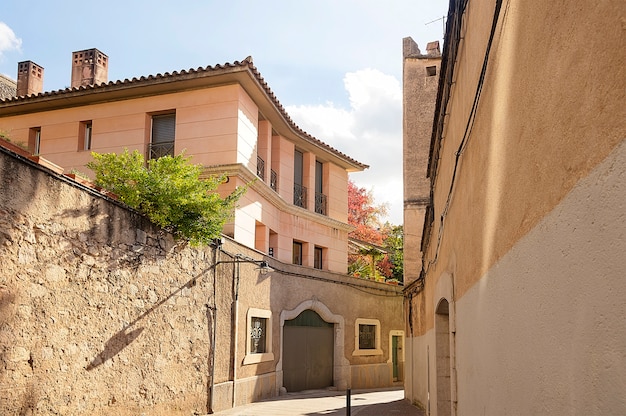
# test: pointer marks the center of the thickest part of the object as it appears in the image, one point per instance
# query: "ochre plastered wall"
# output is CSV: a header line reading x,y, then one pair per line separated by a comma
x,y
537,132
546,141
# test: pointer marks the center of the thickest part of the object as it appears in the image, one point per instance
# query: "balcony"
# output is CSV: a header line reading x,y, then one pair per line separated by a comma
x,y
260,168
299,195
157,150
274,180
321,202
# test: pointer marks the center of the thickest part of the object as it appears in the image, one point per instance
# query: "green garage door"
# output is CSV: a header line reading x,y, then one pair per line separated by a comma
x,y
308,349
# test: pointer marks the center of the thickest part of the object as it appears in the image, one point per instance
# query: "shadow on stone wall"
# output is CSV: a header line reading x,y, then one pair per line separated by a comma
x,y
28,400
126,336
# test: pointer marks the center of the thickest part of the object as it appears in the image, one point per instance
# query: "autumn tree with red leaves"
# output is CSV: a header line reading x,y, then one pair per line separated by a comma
x,y
374,250
364,215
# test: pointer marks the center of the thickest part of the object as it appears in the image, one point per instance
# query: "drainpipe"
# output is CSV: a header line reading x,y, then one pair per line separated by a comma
x,y
236,331
428,379
213,308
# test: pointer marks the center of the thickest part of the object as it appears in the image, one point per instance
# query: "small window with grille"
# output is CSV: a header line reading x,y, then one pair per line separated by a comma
x,y
259,336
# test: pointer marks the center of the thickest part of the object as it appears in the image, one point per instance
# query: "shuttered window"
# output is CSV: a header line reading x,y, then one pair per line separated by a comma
x,y
163,133
163,128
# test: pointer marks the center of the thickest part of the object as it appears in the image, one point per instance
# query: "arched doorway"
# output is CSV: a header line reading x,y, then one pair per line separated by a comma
x,y
308,351
442,344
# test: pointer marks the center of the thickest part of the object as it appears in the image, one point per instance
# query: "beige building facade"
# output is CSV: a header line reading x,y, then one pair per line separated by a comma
x,y
519,299
103,313
225,118
91,293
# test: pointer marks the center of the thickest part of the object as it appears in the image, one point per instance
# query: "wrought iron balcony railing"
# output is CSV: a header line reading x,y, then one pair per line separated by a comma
x,y
260,168
273,180
321,202
299,195
157,150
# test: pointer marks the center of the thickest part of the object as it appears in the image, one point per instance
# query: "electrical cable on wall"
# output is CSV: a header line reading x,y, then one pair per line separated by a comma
x,y
466,135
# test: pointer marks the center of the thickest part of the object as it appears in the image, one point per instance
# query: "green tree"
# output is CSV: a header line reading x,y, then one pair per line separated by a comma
x,y
169,191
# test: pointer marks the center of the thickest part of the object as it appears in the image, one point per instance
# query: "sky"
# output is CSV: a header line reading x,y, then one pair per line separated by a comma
x,y
335,65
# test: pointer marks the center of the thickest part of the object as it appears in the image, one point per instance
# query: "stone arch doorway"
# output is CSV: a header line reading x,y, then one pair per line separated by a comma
x,y
341,366
308,351
443,363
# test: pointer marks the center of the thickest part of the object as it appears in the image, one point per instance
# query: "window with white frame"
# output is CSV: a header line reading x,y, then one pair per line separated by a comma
x,y
367,337
259,336
84,136
34,140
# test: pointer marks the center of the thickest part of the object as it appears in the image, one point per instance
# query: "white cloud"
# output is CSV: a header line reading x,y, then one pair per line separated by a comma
x,y
8,40
370,132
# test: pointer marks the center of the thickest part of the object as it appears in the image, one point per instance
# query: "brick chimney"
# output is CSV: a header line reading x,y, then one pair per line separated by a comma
x,y
29,78
432,49
89,67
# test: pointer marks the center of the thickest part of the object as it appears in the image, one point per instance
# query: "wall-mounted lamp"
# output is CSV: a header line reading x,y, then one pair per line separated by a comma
x,y
218,242
264,267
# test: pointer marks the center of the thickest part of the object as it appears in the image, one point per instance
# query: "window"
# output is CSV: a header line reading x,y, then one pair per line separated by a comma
x,y
162,138
84,135
320,198
34,140
431,71
317,260
299,190
259,336
297,253
258,332
367,337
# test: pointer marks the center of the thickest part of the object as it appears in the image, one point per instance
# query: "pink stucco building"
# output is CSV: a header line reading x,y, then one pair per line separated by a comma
x,y
226,118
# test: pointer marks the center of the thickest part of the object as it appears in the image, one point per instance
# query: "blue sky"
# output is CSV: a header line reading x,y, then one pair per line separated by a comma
x,y
336,66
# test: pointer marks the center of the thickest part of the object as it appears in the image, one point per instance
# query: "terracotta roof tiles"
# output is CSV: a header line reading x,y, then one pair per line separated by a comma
x,y
247,63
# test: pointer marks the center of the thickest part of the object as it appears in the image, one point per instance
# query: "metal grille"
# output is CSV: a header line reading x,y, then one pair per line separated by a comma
x,y
273,180
299,195
260,168
320,203
157,150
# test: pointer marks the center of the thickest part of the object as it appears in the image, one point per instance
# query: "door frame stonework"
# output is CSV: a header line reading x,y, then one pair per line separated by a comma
x,y
341,366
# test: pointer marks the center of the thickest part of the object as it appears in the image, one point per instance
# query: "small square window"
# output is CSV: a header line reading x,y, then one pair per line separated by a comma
x,y
367,337
258,333
431,71
259,336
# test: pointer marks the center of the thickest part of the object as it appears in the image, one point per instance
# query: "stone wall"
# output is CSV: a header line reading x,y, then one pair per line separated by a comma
x,y
103,313
100,312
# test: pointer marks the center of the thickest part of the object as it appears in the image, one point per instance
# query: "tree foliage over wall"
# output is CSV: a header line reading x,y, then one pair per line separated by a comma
x,y
169,191
376,247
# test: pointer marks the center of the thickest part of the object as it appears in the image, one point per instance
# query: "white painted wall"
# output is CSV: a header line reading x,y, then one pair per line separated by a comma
x,y
544,331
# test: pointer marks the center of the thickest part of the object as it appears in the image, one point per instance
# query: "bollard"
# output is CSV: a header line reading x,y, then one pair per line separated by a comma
x,y
348,402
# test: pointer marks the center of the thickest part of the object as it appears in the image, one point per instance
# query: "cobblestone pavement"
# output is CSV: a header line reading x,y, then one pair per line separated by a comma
x,y
388,402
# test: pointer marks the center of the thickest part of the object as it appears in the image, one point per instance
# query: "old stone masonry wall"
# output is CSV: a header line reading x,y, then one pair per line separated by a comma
x,y
100,313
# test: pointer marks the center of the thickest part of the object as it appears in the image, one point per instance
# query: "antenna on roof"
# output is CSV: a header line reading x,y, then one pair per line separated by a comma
x,y
443,23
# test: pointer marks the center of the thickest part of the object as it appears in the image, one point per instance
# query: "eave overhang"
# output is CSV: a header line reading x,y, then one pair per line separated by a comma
x,y
243,73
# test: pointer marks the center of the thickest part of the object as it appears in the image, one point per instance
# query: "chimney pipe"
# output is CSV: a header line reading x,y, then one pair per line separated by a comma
x,y
89,67
29,78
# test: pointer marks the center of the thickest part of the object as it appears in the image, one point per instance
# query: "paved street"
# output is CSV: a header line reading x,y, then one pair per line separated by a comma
x,y
330,403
